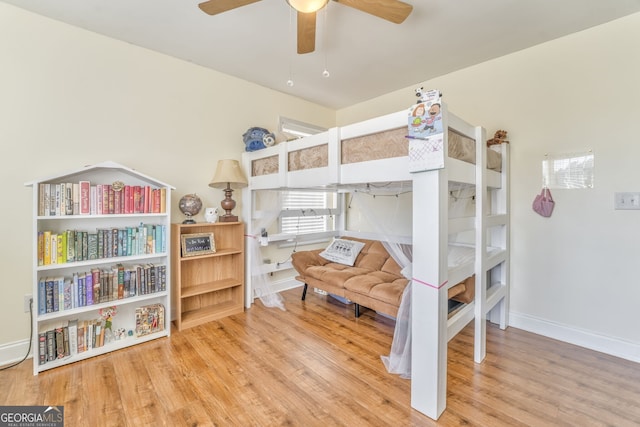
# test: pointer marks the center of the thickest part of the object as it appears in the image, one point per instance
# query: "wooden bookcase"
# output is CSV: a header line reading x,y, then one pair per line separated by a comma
x,y
208,286
88,224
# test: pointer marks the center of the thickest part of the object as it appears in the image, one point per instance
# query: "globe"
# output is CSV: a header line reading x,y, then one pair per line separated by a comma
x,y
190,205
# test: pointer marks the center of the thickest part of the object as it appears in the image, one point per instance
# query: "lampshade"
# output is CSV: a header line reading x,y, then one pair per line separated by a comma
x,y
228,172
307,6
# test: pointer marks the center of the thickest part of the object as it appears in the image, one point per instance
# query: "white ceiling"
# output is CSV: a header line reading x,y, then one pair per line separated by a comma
x,y
366,56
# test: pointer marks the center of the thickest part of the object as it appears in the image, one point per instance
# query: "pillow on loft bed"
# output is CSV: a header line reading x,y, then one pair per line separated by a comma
x,y
464,148
342,251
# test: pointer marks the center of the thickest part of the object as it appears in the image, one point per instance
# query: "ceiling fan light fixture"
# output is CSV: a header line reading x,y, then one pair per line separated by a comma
x,y
307,6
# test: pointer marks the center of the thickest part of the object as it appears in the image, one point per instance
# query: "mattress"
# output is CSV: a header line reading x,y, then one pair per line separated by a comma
x,y
460,254
463,148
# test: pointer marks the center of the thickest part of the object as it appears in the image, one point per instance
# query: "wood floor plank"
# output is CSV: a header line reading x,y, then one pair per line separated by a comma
x,y
167,375
315,364
310,368
101,401
137,393
194,414
345,365
232,389
269,373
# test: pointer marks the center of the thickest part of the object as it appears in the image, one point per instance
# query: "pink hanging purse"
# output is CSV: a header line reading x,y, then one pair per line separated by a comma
x,y
543,203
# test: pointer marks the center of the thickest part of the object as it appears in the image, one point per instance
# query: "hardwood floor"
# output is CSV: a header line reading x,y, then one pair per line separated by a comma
x,y
316,365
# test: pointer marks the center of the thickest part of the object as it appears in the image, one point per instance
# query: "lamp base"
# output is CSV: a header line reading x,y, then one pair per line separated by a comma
x,y
228,218
228,204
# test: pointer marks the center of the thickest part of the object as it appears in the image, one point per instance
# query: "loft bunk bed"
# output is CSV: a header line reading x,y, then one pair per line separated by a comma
x,y
376,151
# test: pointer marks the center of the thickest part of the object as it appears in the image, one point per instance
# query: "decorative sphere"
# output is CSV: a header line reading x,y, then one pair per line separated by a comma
x,y
190,205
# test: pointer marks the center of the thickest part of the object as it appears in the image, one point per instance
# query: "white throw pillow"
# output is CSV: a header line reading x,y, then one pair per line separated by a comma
x,y
342,251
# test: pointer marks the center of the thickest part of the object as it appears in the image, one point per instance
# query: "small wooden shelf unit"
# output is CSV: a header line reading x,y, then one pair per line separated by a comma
x,y
210,286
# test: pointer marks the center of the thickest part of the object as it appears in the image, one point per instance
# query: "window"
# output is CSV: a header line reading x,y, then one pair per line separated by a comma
x,y
297,129
308,212
574,170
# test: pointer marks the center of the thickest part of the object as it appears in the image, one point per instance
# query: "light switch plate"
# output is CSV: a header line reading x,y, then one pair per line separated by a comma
x,y
627,201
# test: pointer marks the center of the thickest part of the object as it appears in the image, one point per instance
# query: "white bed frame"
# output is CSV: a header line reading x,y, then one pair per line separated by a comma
x,y
432,328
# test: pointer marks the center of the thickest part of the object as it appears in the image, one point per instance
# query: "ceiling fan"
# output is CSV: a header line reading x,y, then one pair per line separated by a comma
x,y
394,11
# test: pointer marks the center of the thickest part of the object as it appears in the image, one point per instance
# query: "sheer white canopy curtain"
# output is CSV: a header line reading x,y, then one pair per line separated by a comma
x,y
268,203
461,204
399,359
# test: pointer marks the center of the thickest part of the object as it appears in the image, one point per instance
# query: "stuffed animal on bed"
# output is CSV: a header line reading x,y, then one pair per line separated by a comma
x,y
427,97
269,140
254,138
499,138
420,94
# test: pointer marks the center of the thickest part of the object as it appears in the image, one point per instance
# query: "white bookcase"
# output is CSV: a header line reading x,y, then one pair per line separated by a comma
x,y
142,235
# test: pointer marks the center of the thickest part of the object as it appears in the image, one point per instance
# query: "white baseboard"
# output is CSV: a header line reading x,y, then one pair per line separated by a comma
x,y
604,344
13,352
285,284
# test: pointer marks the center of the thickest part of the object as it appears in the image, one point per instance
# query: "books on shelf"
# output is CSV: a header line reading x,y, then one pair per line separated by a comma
x,y
99,285
73,337
83,198
78,245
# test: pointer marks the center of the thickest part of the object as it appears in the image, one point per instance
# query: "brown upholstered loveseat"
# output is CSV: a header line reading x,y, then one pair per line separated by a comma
x,y
374,281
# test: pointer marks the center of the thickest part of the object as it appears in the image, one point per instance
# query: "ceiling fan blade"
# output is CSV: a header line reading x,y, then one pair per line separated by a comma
x,y
306,32
391,10
213,7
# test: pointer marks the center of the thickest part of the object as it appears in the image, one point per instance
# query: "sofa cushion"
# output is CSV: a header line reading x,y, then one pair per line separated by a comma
x,y
383,260
391,266
342,251
333,273
371,261
373,255
378,285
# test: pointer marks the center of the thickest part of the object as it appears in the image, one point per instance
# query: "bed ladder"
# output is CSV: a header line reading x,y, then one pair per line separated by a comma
x,y
492,228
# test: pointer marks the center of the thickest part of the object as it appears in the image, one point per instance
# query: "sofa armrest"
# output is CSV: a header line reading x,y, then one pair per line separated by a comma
x,y
468,293
305,259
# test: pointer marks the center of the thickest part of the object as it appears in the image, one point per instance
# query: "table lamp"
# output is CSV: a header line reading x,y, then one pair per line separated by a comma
x,y
228,176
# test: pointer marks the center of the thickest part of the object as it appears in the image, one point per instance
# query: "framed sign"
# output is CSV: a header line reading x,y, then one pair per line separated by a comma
x,y
198,244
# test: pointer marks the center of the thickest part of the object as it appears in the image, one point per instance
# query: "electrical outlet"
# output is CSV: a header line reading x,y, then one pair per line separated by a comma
x,y
27,303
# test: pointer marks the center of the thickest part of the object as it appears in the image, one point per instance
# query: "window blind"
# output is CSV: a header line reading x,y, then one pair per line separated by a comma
x,y
305,212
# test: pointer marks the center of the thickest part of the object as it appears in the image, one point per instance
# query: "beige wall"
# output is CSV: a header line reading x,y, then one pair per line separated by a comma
x,y
69,98
573,275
